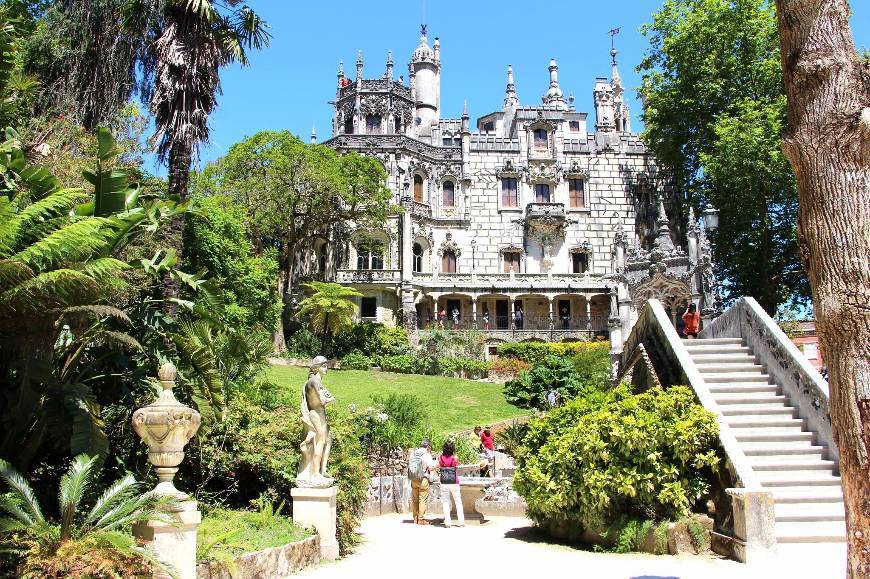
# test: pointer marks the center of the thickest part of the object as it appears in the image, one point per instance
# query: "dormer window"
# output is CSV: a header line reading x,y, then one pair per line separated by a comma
x,y
540,139
448,191
373,124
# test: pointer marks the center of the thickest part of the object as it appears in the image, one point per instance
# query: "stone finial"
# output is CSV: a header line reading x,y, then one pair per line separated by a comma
x,y
340,73
554,94
465,109
436,46
571,101
510,93
359,66
313,135
390,65
166,426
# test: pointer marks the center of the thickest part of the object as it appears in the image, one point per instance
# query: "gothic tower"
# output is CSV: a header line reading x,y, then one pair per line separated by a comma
x,y
425,73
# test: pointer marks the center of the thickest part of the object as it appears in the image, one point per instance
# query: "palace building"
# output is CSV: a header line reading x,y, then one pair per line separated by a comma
x,y
534,222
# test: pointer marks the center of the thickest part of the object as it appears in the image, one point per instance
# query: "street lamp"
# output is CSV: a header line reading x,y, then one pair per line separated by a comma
x,y
405,186
473,244
711,217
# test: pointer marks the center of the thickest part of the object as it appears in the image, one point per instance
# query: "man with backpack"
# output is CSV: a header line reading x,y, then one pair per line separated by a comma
x,y
420,464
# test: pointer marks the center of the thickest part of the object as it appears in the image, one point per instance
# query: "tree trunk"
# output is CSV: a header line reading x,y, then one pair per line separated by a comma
x,y
828,144
278,341
179,170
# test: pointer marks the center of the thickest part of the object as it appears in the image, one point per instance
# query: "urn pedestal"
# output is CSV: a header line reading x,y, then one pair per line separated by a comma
x,y
315,507
166,425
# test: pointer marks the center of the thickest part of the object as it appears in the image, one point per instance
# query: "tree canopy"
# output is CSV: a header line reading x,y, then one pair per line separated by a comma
x,y
714,116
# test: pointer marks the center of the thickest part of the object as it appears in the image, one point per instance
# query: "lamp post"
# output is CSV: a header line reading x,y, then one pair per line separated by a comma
x,y
711,217
406,184
711,224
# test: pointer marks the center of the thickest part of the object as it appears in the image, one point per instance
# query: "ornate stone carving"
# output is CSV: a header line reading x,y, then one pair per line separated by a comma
x,y
371,104
318,439
673,293
166,425
449,245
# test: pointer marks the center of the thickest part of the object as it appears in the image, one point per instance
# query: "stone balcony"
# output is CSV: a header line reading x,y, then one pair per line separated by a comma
x,y
557,282
384,276
545,211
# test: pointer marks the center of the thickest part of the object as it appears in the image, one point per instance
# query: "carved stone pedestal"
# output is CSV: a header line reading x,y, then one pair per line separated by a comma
x,y
173,545
315,507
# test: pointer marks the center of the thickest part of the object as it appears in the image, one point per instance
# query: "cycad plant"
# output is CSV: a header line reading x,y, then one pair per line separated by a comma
x,y
329,309
84,542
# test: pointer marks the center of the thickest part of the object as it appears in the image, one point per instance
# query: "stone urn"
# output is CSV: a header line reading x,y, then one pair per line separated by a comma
x,y
166,425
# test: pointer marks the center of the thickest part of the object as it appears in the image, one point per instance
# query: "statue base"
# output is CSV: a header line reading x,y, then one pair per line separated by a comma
x,y
322,482
173,544
315,507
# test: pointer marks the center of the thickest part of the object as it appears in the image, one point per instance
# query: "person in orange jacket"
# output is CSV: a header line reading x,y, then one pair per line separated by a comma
x,y
692,320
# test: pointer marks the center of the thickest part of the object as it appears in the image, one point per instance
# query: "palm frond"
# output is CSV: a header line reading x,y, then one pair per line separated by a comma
x,y
22,490
54,289
55,205
13,272
92,311
118,492
73,486
78,241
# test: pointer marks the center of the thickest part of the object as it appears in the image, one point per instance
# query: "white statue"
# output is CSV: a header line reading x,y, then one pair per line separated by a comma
x,y
318,439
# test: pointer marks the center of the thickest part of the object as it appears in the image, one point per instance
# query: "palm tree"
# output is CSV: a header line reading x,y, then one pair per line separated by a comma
x,y
94,542
198,37
329,308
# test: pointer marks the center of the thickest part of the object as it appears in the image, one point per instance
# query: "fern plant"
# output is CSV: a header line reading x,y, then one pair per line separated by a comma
x,y
330,308
84,542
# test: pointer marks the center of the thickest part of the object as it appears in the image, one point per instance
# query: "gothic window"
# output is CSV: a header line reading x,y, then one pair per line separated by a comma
x,y
418,189
448,190
397,124
540,138
368,308
509,196
511,261
348,126
579,262
370,254
417,266
373,124
542,193
448,262
574,126
576,195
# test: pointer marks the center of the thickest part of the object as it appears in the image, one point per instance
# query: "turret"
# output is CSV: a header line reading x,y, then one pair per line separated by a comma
x,y
621,117
554,96
604,113
466,132
313,135
425,70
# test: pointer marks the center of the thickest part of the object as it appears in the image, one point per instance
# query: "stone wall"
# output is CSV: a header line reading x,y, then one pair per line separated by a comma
x,y
268,563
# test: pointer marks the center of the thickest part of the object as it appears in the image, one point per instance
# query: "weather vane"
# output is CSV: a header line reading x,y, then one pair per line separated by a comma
x,y
613,32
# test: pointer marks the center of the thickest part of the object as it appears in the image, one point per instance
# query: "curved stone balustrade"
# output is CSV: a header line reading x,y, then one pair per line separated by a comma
x,y
368,276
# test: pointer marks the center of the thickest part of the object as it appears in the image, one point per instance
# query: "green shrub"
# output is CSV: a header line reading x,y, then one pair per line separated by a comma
x,y
356,361
405,364
255,451
405,410
511,437
611,455
440,344
533,351
451,366
507,367
371,340
303,343
530,388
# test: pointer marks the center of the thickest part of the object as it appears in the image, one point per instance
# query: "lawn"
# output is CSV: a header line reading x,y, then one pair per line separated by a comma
x,y
452,404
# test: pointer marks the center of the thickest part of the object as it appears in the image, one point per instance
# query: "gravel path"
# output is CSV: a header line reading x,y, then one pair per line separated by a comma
x,y
509,547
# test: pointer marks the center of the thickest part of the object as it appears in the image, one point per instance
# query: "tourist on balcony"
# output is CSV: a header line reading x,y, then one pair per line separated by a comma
x,y
518,317
563,315
455,315
692,320
442,315
485,318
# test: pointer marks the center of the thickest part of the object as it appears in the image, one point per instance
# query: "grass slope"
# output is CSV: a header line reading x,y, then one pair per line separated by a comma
x,y
452,404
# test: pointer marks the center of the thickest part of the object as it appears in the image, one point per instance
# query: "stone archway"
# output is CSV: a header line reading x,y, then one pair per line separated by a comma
x,y
673,293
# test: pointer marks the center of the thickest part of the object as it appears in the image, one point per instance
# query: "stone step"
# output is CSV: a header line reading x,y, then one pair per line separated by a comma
x,y
775,434
750,398
739,358
717,350
764,421
797,478
758,410
797,448
738,387
811,532
720,368
798,512
711,341
721,378
807,494
790,463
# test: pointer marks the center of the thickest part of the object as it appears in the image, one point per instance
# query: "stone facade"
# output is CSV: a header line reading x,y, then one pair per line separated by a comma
x,y
528,210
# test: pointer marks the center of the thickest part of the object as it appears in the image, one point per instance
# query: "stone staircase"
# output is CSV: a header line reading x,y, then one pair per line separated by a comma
x,y
785,456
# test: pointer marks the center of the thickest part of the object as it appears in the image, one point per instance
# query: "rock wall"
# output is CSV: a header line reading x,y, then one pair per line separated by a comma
x,y
268,563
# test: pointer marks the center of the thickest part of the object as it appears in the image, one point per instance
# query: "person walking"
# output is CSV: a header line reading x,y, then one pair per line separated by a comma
x,y
442,315
485,317
488,448
449,478
692,320
420,466
551,398
455,315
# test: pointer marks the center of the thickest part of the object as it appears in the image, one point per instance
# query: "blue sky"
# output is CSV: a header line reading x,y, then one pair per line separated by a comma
x,y
288,85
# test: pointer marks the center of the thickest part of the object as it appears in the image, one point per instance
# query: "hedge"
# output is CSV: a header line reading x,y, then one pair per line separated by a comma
x,y
532,352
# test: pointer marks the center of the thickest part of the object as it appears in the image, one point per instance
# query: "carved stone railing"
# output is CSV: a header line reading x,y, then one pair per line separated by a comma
x,y
367,143
508,335
800,381
368,276
421,209
545,210
518,282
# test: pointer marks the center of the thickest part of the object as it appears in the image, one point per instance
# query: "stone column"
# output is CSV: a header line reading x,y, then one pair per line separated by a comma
x,y
511,317
589,313
550,302
166,426
474,312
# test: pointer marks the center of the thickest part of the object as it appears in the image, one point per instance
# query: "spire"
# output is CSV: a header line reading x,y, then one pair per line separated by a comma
x,y
571,102
340,73
390,65
663,238
554,94
510,93
359,66
464,124
622,118
313,134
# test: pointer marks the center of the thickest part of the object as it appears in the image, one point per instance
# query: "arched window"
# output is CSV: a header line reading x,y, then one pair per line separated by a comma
x,y
448,190
370,254
418,258
418,189
448,262
540,138
348,126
